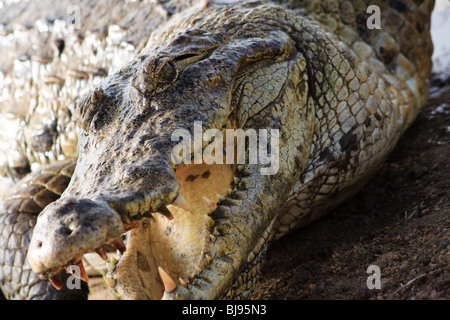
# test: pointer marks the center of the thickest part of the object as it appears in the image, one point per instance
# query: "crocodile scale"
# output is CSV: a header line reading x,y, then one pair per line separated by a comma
x,y
91,94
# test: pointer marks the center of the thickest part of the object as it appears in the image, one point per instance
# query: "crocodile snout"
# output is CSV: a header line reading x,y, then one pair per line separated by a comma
x,y
69,228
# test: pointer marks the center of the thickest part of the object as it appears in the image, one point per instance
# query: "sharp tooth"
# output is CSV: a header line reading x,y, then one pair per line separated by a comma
x,y
236,180
137,216
69,269
240,168
208,203
182,282
110,281
56,282
166,212
109,266
181,202
213,238
83,274
102,253
119,245
113,260
126,220
208,258
209,221
220,197
147,214
169,284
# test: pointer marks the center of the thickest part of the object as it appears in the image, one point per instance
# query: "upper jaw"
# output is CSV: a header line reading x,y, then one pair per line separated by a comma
x,y
75,225
66,230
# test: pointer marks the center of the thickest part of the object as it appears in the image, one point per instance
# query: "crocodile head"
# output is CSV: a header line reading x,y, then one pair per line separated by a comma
x,y
196,229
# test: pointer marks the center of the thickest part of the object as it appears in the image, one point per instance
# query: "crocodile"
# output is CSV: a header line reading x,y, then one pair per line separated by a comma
x,y
338,94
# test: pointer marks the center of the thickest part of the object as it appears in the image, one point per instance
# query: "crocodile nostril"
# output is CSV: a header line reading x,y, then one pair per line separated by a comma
x,y
39,244
66,231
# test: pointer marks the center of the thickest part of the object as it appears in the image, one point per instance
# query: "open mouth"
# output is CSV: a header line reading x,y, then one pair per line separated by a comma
x,y
167,249
161,252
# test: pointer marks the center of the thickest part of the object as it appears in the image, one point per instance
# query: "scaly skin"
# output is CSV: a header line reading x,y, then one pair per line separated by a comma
x,y
45,68
340,95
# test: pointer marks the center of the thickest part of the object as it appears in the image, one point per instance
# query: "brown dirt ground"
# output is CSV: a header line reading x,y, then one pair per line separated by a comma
x,y
399,221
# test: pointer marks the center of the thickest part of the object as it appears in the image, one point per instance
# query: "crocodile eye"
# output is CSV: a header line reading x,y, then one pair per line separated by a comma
x,y
167,73
153,76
